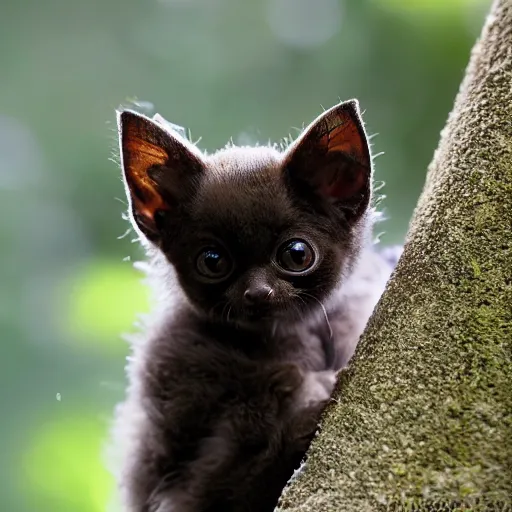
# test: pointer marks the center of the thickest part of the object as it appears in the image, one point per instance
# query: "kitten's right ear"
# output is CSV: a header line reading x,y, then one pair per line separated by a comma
x,y
332,159
157,168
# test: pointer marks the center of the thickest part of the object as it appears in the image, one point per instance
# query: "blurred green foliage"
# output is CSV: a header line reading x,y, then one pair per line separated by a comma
x,y
250,70
63,466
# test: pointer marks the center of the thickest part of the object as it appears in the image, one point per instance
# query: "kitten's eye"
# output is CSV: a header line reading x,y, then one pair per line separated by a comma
x,y
296,256
213,263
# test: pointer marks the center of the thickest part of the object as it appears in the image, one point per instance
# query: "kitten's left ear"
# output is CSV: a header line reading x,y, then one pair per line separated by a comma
x,y
332,159
159,167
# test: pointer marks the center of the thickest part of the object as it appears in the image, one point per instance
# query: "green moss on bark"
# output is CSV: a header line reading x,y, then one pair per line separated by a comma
x,y
424,414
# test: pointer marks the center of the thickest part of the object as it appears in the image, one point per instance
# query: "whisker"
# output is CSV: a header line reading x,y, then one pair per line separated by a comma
x,y
297,309
324,312
224,308
211,311
303,302
225,311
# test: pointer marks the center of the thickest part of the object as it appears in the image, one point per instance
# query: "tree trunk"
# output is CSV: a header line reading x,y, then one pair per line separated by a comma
x,y
423,417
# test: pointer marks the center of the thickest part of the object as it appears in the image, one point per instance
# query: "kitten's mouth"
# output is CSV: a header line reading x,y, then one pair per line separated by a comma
x,y
257,314
261,315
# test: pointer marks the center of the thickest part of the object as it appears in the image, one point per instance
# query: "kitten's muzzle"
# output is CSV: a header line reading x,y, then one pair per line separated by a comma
x,y
257,302
257,295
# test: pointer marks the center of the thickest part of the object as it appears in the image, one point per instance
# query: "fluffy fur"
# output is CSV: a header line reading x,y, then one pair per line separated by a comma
x,y
265,279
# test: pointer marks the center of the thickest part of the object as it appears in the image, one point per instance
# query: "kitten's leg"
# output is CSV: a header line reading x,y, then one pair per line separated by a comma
x,y
299,423
162,446
310,401
316,389
220,466
196,493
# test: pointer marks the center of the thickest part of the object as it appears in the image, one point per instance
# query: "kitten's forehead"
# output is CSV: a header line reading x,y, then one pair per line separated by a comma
x,y
243,160
243,187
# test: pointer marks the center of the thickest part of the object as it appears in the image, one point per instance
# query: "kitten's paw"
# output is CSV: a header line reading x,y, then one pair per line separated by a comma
x,y
285,380
316,388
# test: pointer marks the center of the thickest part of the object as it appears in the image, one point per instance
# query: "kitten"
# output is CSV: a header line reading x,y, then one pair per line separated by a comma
x,y
266,281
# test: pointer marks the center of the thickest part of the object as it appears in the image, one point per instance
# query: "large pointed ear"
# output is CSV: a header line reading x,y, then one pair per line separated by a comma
x,y
332,159
158,165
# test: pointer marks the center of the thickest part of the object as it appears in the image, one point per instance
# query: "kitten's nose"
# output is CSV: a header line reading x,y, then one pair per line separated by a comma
x,y
257,294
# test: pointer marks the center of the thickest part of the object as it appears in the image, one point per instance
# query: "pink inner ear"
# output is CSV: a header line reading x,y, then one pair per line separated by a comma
x,y
344,182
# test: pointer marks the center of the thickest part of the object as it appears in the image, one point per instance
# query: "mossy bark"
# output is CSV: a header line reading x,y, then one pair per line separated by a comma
x,y
423,417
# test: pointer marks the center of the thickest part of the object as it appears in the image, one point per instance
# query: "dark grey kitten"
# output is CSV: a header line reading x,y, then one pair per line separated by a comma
x,y
265,281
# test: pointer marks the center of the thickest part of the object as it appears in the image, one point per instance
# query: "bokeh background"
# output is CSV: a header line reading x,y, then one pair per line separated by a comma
x,y
250,70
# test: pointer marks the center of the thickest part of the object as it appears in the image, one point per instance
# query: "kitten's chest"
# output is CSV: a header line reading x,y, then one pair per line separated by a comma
x,y
307,344
249,362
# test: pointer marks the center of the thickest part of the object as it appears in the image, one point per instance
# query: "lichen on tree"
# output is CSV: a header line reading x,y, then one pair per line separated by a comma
x,y
423,417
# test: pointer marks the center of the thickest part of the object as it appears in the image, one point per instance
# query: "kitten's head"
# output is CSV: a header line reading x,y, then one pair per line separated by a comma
x,y
254,234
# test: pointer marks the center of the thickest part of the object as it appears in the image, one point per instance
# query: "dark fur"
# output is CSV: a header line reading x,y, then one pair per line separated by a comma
x,y
225,396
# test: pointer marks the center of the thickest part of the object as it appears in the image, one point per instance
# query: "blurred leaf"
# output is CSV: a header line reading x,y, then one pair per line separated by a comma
x,y
434,7
64,468
102,301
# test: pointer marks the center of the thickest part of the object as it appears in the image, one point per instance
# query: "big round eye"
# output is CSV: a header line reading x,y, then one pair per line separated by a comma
x,y
296,256
213,263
